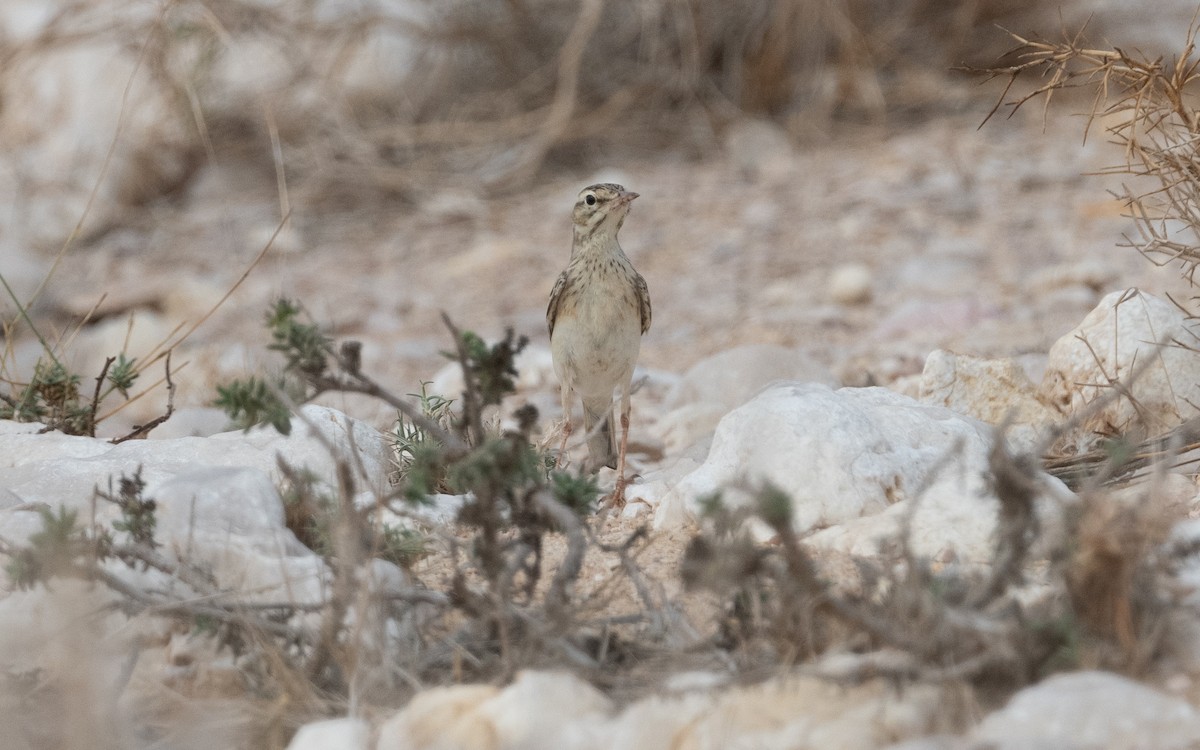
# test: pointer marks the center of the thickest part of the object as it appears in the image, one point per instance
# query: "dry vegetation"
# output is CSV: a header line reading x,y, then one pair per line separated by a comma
x,y
1146,108
403,97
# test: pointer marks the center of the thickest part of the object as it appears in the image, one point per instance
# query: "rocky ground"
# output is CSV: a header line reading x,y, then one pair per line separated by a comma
x,y
843,260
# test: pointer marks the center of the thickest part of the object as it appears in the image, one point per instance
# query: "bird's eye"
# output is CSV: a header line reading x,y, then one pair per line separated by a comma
x,y
590,199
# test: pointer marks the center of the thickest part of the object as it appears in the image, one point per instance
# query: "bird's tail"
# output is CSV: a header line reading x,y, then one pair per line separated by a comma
x,y
602,447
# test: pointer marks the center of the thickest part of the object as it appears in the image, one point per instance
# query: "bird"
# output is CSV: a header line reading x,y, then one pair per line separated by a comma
x,y
599,310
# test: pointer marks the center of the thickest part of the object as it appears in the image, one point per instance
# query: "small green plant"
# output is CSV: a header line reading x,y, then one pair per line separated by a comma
x,y
63,547
51,552
400,545
492,367
303,345
53,395
306,351
415,451
253,401
312,511
578,492
138,514
123,374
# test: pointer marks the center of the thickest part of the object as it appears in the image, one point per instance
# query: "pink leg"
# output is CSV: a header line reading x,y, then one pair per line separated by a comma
x,y
618,496
561,461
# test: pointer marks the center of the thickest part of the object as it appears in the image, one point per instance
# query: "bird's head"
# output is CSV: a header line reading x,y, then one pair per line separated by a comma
x,y
602,208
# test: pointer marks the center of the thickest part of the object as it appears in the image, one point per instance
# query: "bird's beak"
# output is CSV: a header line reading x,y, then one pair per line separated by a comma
x,y
627,197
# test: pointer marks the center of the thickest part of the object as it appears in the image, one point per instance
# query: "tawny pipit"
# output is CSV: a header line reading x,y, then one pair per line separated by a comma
x,y
599,309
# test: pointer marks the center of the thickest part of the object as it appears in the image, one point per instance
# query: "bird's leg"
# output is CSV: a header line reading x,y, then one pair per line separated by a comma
x,y
618,496
561,460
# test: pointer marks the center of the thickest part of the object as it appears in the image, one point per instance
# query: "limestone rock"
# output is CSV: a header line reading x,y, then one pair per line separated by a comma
x,y
333,734
1129,333
733,376
854,461
217,501
539,710
850,284
812,714
716,384
1087,710
996,391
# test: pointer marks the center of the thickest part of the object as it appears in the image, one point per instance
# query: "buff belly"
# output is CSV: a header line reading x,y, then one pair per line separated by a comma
x,y
596,347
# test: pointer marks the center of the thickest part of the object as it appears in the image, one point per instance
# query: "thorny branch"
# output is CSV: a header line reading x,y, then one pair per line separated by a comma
x,y
1144,107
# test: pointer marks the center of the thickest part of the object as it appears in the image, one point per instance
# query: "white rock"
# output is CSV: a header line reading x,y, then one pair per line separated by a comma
x,y
850,284
246,68
441,719
1182,646
786,714
135,334
333,734
684,427
454,205
995,391
853,460
220,501
217,500
716,384
658,722
535,368
648,492
437,509
731,377
35,625
9,499
907,385
229,521
547,711
192,421
39,468
448,382
1086,710
1121,336
539,710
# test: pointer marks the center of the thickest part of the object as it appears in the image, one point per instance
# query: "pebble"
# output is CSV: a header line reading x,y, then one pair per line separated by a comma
x,y
850,284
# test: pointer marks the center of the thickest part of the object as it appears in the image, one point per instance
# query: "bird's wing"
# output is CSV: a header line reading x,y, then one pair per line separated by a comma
x,y
556,298
643,297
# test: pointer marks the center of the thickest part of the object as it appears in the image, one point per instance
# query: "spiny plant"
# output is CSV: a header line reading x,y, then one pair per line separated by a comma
x,y
313,512
512,497
1144,107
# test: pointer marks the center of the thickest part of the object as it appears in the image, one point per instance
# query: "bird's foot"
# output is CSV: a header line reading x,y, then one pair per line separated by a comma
x,y
616,501
563,459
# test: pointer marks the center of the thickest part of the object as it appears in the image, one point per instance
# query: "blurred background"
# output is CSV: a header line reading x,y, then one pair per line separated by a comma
x,y
813,173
